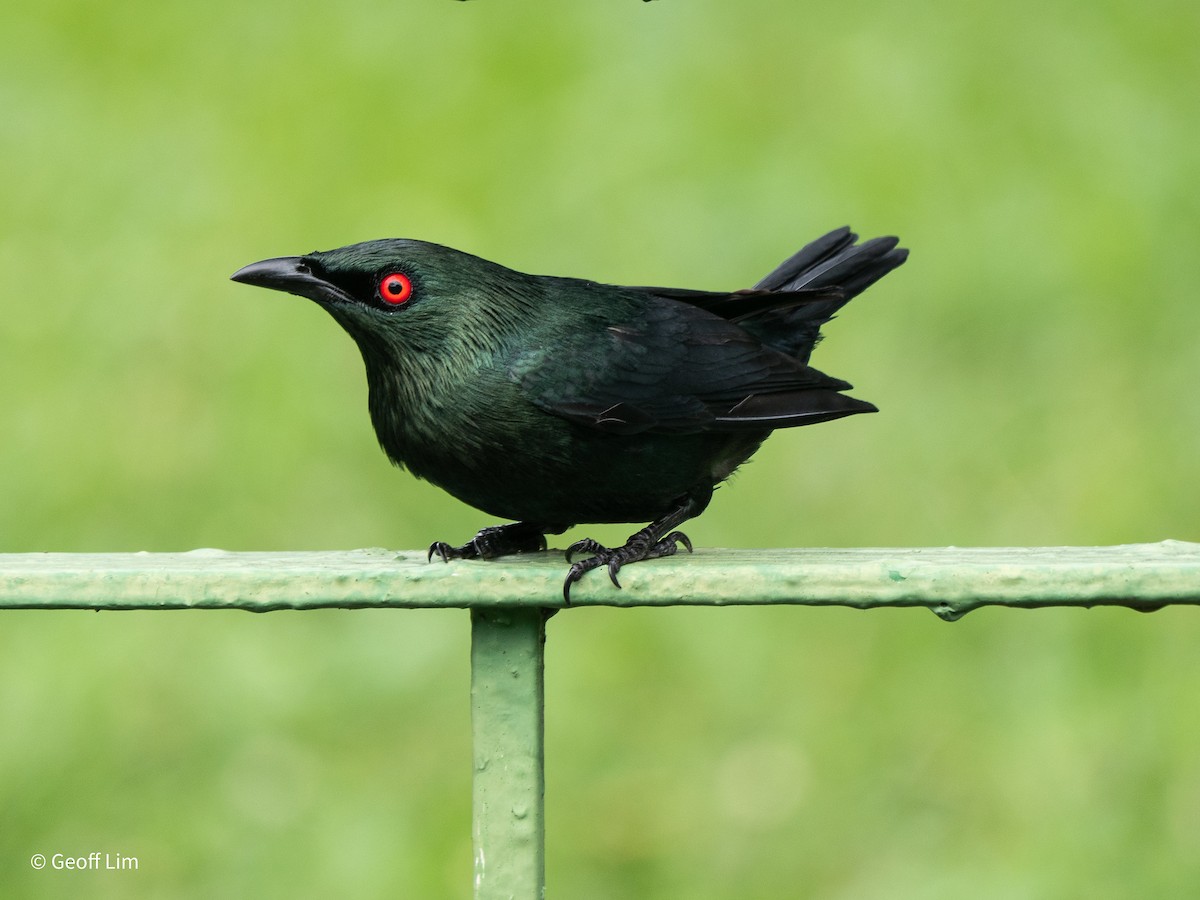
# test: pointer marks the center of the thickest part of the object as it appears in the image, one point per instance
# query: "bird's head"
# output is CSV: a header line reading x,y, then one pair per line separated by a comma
x,y
398,290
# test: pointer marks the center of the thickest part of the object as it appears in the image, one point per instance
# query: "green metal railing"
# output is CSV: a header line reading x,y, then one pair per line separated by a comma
x,y
509,598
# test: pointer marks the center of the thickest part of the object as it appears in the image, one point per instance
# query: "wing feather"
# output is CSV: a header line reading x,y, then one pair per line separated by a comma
x,y
675,368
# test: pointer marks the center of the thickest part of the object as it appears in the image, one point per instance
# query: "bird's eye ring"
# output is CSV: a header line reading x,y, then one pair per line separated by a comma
x,y
395,288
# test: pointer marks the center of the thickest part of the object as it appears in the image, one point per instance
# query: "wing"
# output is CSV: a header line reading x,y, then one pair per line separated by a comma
x,y
787,308
673,367
741,305
789,321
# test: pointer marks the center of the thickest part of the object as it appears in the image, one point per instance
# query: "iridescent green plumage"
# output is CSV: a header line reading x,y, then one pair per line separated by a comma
x,y
557,401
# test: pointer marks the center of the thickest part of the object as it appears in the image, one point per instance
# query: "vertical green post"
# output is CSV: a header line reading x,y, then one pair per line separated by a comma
x,y
507,653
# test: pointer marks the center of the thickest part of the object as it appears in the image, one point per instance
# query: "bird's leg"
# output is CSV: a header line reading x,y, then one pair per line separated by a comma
x,y
655,540
499,540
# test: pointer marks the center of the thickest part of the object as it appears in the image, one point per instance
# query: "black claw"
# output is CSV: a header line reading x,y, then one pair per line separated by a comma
x,y
678,537
524,537
614,566
587,545
637,549
573,575
498,540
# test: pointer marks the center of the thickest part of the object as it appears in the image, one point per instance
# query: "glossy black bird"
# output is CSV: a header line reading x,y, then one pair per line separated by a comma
x,y
558,401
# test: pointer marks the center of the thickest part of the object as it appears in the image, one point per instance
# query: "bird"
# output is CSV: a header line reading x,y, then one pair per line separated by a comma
x,y
553,402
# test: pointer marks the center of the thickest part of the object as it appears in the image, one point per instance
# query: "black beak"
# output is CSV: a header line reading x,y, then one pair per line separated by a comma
x,y
292,275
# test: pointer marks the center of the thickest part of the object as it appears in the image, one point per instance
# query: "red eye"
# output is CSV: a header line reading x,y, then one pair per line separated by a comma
x,y
395,288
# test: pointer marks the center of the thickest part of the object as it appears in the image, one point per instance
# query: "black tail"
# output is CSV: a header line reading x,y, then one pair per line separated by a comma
x,y
833,264
837,261
787,308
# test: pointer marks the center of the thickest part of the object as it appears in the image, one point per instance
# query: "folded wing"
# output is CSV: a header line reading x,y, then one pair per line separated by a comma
x,y
676,368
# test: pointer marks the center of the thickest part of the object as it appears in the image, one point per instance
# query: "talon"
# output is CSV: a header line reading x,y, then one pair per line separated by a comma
x,y
587,545
668,545
614,566
578,570
640,546
498,540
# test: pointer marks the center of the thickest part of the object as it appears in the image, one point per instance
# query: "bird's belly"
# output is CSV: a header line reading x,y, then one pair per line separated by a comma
x,y
566,474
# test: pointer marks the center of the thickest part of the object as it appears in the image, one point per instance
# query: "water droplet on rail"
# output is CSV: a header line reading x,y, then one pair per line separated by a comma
x,y
948,613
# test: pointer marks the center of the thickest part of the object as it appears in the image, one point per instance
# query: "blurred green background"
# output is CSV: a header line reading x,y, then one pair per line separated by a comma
x,y
1035,362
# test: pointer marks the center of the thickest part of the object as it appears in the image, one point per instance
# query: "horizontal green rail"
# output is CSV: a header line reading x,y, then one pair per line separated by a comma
x,y
507,599
950,581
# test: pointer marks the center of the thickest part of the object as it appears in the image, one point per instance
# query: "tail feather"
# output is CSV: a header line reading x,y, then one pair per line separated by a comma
x,y
837,261
787,308
804,259
835,264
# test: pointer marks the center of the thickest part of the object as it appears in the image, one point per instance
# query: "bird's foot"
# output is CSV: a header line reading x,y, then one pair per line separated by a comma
x,y
639,546
497,540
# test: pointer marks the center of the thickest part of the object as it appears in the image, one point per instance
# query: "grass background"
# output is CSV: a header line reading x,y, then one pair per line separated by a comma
x,y
1035,362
